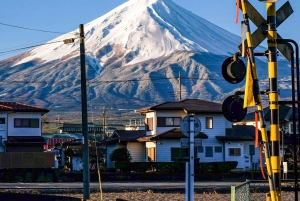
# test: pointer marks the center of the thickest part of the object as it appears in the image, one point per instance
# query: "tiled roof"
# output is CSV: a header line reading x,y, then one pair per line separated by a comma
x,y
176,133
51,142
235,138
126,135
285,114
20,107
188,105
239,133
25,140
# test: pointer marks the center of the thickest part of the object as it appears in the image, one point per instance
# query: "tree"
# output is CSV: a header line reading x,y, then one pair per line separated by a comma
x,y
291,154
121,155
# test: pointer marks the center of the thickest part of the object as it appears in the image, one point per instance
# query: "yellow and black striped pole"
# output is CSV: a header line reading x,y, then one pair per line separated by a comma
x,y
252,97
273,99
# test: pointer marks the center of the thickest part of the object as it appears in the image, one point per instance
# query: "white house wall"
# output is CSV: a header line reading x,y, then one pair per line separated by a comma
x,y
254,158
240,159
150,144
219,124
217,130
137,151
3,131
23,131
163,149
228,124
217,157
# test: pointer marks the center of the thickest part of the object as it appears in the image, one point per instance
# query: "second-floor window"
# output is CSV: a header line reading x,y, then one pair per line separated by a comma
x,y
168,121
209,122
2,120
26,123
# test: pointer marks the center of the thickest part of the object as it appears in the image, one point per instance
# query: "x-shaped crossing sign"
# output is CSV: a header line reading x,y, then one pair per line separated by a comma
x,y
261,32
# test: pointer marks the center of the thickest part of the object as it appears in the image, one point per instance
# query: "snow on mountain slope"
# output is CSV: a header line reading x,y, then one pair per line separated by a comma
x,y
134,54
140,30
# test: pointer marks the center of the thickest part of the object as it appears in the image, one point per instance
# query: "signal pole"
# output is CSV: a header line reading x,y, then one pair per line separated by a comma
x,y
257,100
273,99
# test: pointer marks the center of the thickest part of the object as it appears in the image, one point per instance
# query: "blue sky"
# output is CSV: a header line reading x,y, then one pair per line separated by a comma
x,y
66,15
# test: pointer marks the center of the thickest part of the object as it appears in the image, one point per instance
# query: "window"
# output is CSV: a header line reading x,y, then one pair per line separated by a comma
x,y
218,149
200,149
26,123
234,151
209,152
173,121
168,121
179,152
2,120
209,122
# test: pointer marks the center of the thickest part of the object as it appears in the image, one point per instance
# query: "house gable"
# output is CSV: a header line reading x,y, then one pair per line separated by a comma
x,y
22,121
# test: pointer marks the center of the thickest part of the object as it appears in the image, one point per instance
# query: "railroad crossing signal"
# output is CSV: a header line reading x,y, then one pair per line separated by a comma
x,y
233,110
260,33
233,70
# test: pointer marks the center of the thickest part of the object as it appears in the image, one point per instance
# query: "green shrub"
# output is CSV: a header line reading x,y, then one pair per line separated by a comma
x,y
49,177
226,166
41,178
121,155
28,177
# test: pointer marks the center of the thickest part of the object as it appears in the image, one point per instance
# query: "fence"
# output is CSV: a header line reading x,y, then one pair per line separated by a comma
x,y
253,190
26,160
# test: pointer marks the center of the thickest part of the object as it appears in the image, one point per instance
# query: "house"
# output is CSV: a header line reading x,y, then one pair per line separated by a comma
x,y
161,141
287,135
20,137
21,127
129,139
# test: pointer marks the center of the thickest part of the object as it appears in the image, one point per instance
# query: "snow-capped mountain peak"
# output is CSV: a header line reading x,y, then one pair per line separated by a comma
x,y
139,30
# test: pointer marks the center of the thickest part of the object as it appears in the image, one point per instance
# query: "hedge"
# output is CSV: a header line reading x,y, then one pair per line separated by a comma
x,y
175,167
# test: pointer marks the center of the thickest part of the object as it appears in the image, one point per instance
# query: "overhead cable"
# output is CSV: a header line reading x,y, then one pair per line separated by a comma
x,y
40,30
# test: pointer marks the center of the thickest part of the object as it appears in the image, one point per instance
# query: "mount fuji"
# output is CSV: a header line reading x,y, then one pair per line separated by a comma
x,y
134,55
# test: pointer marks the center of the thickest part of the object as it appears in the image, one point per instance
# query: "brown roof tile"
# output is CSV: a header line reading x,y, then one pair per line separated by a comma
x,y
176,133
188,105
126,135
20,107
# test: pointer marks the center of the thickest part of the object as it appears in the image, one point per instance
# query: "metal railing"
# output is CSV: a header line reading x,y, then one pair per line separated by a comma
x,y
257,189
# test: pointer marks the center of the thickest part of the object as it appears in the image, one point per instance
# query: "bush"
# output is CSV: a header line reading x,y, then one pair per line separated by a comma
x,y
223,167
121,155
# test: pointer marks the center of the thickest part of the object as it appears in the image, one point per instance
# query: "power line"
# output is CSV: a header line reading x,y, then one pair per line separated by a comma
x,y
23,48
122,81
40,30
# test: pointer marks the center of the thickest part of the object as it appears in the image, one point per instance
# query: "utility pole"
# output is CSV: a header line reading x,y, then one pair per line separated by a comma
x,y
58,124
86,161
104,121
179,79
